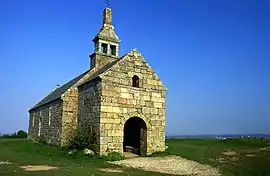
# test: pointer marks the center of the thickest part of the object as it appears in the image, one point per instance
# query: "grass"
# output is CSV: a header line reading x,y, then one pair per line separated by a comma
x,y
24,152
246,158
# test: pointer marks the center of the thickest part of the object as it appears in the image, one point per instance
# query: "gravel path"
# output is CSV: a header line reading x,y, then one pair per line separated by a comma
x,y
170,165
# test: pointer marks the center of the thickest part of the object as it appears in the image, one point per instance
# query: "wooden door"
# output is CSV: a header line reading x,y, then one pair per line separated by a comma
x,y
143,141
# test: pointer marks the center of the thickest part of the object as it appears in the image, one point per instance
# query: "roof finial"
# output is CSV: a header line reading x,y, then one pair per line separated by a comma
x,y
108,3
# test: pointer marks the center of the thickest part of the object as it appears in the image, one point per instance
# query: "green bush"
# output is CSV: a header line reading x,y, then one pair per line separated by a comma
x,y
113,156
83,138
79,154
158,154
41,139
21,134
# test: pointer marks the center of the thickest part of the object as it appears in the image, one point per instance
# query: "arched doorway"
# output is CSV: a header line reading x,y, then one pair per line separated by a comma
x,y
135,136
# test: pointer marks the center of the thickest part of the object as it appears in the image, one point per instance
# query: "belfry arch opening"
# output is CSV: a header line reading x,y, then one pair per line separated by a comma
x,y
135,136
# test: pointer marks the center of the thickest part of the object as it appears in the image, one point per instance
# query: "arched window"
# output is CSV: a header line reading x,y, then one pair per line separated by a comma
x,y
135,81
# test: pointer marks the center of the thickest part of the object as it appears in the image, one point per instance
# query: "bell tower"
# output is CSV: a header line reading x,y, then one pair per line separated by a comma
x,y
106,43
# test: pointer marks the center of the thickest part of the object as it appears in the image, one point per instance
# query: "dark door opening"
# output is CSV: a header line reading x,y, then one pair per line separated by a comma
x,y
135,136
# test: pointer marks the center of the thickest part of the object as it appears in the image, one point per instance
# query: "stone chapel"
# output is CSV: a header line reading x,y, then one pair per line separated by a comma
x,y
120,97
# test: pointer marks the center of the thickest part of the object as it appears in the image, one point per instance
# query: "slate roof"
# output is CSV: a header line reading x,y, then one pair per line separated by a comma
x,y
102,70
107,33
59,91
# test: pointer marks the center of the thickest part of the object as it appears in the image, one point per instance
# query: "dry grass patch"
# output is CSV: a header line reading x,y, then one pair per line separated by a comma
x,y
265,149
221,160
130,155
250,155
38,168
229,153
5,162
114,170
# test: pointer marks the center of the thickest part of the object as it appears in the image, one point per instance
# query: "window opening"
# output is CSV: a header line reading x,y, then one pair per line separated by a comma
x,y
113,50
104,48
135,81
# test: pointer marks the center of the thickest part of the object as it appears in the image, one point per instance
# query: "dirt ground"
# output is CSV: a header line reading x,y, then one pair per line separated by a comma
x,y
115,170
38,168
170,165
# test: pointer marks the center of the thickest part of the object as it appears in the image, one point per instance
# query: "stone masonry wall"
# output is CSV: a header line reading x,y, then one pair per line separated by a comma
x,y
69,115
70,111
48,119
121,101
98,60
89,106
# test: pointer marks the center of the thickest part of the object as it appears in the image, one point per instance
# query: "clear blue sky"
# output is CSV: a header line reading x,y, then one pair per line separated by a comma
x,y
213,55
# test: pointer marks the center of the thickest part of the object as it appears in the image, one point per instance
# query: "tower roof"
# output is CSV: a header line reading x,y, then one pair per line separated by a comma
x,y
107,30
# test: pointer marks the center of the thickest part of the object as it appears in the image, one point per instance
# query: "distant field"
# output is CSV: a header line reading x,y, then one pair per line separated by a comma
x,y
247,157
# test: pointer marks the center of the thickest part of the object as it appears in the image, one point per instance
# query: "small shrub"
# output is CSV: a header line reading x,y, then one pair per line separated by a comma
x,y
113,156
78,154
41,139
21,134
157,154
82,139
